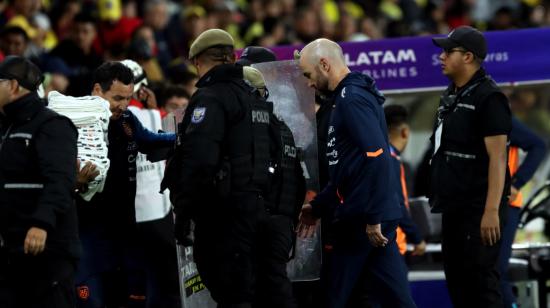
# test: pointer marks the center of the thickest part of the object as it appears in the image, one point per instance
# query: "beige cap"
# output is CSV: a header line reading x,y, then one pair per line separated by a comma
x,y
254,76
208,39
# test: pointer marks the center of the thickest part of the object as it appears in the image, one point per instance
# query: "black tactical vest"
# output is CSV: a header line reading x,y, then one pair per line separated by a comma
x,y
459,168
246,149
287,182
21,183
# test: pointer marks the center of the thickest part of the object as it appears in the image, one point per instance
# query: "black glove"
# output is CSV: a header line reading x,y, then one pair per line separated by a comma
x,y
185,231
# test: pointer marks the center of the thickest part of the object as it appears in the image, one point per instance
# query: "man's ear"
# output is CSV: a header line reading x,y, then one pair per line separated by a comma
x,y
96,89
325,66
14,86
405,132
470,58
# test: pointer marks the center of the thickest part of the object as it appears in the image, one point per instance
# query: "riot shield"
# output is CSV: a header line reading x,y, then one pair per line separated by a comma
x,y
193,292
294,102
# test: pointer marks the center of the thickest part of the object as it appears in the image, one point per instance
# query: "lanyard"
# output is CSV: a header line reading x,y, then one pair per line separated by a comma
x,y
5,136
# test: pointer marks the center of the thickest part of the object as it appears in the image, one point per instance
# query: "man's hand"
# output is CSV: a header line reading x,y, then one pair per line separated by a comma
x,y
35,241
490,227
147,97
513,193
86,175
419,249
376,238
308,223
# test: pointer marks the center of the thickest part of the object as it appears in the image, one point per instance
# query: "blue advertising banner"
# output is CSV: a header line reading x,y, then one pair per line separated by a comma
x,y
411,64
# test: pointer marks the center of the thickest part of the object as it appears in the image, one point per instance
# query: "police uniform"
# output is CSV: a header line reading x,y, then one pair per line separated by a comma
x,y
219,176
361,191
37,180
459,182
283,203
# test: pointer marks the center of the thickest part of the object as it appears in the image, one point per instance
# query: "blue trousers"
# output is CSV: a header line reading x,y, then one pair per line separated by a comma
x,y
507,239
361,275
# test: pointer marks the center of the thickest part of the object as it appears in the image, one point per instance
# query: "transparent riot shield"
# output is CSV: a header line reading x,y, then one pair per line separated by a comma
x,y
294,102
194,293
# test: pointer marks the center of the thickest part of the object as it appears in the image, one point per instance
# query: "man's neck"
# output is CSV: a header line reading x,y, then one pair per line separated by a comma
x,y
398,145
461,80
339,75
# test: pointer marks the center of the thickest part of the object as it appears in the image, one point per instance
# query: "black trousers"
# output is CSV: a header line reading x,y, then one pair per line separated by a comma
x,y
241,253
42,281
470,267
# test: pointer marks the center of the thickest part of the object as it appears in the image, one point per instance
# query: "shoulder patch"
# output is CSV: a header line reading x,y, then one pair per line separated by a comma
x,y
198,115
343,93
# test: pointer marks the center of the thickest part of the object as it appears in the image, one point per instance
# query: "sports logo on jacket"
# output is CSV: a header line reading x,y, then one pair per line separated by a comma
x,y
198,115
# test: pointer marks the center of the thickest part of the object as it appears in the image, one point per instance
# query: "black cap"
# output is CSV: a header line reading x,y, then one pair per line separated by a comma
x,y
467,37
256,54
24,71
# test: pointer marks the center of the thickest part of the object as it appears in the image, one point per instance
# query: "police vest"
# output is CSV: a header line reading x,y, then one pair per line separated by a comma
x,y
287,182
459,168
246,147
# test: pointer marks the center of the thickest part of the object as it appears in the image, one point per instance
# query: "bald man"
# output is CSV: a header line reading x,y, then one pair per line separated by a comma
x,y
367,210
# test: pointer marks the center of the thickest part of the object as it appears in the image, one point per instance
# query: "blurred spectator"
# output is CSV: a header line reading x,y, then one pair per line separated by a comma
x,y
13,41
79,54
63,16
306,25
56,75
173,98
504,19
156,17
115,30
183,74
143,49
526,106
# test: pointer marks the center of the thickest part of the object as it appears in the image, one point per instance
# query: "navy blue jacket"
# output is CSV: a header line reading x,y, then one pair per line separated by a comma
x,y
406,223
361,177
523,138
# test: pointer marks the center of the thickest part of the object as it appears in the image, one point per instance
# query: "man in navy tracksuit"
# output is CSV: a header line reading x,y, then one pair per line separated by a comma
x,y
365,256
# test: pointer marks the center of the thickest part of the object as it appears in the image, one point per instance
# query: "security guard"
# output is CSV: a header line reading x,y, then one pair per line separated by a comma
x,y
38,224
219,173
470,182
361,191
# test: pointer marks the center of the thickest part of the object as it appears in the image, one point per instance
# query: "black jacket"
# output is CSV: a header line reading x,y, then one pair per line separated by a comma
x,y
37,176
218,124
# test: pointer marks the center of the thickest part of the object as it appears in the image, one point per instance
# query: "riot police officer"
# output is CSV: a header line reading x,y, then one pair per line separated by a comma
x,y
219,173
38,221
470,181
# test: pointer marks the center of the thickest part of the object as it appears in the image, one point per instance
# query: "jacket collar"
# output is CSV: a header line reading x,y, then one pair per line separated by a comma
x,y
24,108
221,73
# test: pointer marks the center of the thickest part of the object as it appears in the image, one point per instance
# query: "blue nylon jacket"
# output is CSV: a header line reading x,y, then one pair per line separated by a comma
x,y
360,168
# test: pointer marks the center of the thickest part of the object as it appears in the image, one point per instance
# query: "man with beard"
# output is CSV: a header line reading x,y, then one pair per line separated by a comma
x,y
366,207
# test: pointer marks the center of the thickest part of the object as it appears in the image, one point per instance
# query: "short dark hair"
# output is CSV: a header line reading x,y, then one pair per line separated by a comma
x,y
396,115
14,30
108,72
177,91
171,90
